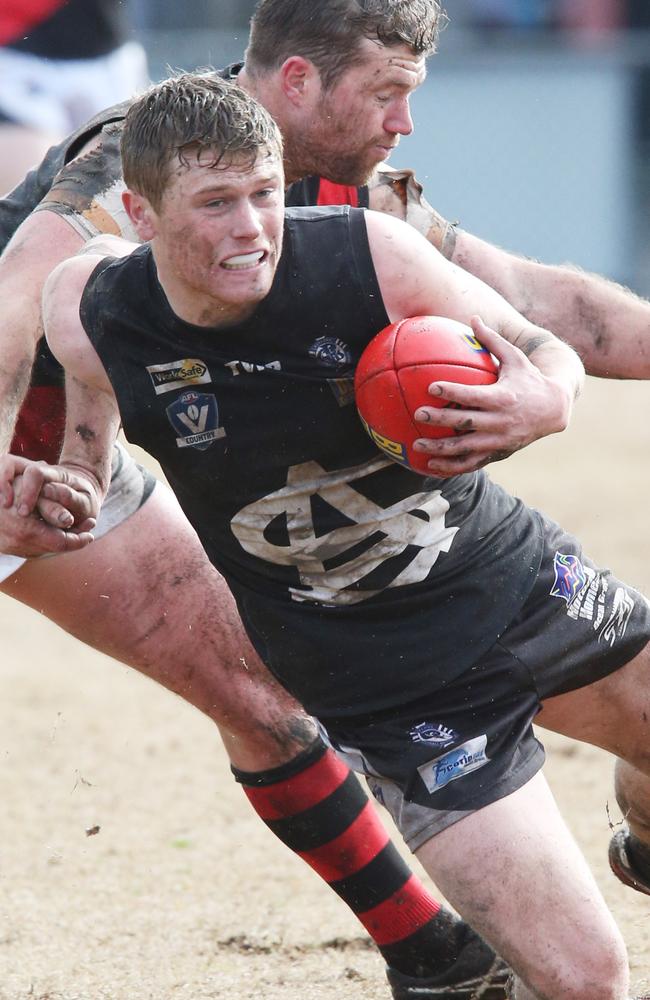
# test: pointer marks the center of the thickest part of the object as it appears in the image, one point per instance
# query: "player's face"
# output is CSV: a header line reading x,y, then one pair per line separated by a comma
x,y
357,123
218,236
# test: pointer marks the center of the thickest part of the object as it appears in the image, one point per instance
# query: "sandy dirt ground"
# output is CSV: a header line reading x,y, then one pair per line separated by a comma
x,y
182,893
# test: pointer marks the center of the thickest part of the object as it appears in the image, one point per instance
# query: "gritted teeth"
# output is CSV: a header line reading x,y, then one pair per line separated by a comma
x,y
243,260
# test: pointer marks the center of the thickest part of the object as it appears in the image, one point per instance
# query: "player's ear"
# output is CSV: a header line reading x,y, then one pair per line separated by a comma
x,y
140,213
299,80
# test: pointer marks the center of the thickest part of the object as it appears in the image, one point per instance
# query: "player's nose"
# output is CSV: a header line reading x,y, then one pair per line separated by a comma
x,y
398,120
247,222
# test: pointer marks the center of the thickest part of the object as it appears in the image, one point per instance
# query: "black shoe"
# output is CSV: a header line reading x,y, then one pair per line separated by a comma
x,y
477,974
621,864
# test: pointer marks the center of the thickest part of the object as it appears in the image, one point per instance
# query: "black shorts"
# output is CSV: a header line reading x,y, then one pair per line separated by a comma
x,y
470,742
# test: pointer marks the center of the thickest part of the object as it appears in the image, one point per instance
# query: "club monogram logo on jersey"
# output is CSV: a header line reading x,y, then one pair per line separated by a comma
x,y
356,559
178,374
331,351
195,416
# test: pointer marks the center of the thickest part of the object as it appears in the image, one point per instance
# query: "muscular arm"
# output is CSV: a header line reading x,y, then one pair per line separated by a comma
x,y
67,496
539,376
608,325
92,415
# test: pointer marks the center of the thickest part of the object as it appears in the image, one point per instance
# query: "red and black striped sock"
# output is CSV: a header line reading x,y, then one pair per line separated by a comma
x,y
316,806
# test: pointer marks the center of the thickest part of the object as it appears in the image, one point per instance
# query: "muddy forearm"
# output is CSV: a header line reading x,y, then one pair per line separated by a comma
x,y
606,324
15,370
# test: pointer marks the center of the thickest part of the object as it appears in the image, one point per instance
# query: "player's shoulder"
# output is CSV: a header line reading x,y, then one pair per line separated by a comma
x,y
320,229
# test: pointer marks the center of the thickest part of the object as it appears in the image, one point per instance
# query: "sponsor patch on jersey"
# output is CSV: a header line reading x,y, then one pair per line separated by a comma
x,y
394,449
178,374
454,764
433,733
570,576
331,351
195,417
252,367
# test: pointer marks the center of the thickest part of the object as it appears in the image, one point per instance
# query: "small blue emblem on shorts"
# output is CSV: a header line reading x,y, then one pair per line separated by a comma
x,y
570,576
195,416
433,733
456,763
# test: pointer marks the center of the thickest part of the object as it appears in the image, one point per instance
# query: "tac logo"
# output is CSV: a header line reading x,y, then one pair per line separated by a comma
x,y
394,449
454,764
433,733
195,417
570,576
331,351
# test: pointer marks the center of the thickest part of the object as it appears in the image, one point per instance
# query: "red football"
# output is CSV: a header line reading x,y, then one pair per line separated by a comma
x,y
396,370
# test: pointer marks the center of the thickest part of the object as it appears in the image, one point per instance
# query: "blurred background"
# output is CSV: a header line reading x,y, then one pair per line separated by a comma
x,y
532,129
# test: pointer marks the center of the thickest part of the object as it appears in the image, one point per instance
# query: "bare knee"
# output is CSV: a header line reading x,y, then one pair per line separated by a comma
x,y
599,971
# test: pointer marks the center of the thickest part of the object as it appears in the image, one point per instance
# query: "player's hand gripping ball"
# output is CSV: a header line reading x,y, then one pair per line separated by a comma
x,y
395,371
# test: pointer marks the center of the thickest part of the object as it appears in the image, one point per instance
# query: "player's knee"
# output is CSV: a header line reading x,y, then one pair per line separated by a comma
x,y
599,971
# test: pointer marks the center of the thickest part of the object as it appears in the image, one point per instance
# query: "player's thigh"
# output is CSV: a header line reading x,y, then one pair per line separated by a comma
x,y
146,594
612,713
513,871
582,636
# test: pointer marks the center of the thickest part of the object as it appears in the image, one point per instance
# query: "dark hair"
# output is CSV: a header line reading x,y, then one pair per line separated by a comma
x,y
191,111
329,32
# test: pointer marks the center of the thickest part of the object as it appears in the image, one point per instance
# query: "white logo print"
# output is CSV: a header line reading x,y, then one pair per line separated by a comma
x,y
371,536
616,624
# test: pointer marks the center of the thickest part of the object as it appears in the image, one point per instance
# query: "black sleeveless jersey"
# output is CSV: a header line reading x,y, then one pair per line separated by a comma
x,y
360,582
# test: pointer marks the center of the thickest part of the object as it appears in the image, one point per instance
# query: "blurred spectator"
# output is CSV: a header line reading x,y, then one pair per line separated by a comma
x,y
61,61
511,13
592,17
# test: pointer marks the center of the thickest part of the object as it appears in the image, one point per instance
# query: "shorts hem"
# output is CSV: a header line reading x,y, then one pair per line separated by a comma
x,y
511,783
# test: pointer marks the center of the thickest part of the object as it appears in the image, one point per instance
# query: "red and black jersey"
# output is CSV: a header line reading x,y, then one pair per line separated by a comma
x,y
319,191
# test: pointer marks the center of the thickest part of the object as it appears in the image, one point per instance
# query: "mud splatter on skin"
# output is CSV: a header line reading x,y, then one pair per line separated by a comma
x,y
592,321
90,174
85,433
